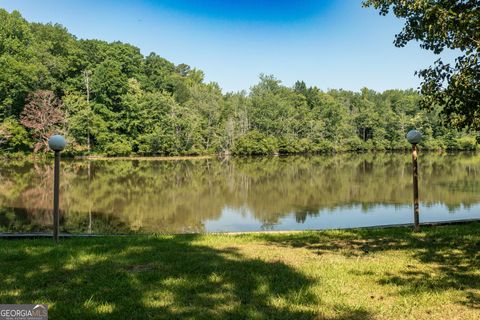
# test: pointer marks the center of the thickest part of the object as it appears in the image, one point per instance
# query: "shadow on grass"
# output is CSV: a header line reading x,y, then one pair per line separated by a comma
x,y
154,278
452,252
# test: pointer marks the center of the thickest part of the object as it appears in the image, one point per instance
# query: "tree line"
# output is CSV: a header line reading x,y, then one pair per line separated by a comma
x,y
108,98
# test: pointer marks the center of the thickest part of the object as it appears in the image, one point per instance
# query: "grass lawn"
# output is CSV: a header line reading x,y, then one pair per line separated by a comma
x,y
354,274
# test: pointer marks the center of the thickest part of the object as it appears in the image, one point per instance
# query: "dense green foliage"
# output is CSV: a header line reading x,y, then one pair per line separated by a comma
x,y
441,25
113,100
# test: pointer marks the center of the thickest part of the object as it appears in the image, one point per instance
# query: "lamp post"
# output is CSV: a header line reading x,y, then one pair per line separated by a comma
x,y
57,143
414,137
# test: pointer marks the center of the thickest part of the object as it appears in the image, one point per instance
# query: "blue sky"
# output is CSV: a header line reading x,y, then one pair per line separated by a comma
x,y
329,44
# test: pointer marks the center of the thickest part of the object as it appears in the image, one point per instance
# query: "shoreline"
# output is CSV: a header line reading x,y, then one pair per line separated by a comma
x,y
44,235
143,158
46,156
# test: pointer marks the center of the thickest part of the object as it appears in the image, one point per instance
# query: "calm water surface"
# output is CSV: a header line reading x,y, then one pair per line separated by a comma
x,y
239,194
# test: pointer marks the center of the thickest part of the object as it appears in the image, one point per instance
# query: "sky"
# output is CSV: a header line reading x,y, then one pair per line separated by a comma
x,y
330,44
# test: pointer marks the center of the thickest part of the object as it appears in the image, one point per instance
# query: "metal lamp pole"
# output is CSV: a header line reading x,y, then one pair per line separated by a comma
x,y
57,143
414,137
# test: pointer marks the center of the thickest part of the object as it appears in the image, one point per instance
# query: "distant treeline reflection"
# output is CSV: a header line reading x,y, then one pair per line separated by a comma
x,y
179,196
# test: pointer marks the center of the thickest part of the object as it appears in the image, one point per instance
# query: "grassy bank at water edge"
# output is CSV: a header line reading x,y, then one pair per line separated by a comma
x,y
356,274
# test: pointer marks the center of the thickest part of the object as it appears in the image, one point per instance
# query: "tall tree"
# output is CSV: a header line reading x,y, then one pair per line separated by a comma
x,y
43,116
86,78
440,25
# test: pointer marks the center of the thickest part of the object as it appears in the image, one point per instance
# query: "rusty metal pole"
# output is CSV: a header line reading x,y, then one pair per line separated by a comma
x,y
56,196
416,213
56,143
414,137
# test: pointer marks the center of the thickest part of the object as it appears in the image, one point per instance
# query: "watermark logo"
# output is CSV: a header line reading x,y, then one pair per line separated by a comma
x,y
23,312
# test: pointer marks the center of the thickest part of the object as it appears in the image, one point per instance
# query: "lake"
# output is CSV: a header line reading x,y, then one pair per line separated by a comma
x,y
238,194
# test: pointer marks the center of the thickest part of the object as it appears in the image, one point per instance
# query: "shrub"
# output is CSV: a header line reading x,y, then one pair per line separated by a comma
x,y
255,143
323,146
157,142
433,144
354,143
13,136
400,145
291,144
466,143
118,146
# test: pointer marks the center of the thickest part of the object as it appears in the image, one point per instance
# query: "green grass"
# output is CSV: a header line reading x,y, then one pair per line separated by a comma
x,y
355,274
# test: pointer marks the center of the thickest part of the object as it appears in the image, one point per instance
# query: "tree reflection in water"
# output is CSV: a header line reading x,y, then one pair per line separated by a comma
x,y
179,196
